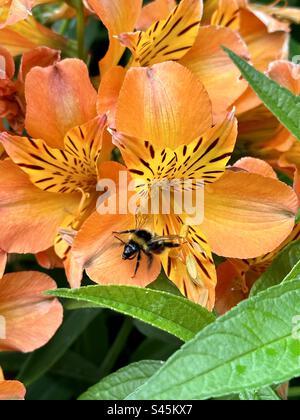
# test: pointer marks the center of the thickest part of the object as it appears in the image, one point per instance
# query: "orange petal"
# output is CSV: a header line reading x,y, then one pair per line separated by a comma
x,y
60,171
11,390
292,156
290,161
154,11
19,10
7,61
48,259
203,159
40,56
30,218
118,16
261,264
107,146
264,47
256,166
228,291
108,94
297,184
211,64
226,14
191,268
68,100
247,101
31,319
153,102
210,6
25,35
210,154
98,251
3,261
278,18
287,74
258,129
248,215
167,39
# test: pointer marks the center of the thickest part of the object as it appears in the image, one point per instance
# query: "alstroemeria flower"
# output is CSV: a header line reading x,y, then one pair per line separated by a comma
x,y
28,34
11,390
50,181
12,100
29,319
236,276
266,37
246,214
179,36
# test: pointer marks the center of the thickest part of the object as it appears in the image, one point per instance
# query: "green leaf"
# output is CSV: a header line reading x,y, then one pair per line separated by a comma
x,y
122,383
263,394
280,268
279,100
250,347
294,274
163,284
45,358
174,314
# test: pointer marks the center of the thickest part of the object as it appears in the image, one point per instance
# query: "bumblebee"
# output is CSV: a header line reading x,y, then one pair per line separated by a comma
x,y
142,241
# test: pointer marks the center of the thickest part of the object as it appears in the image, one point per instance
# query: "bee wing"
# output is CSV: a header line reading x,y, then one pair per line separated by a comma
x,y
169,238
108,244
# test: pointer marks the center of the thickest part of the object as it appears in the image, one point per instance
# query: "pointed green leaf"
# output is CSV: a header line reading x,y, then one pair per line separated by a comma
x,y
122,383
263,394
253,346
279,100
280,268
171,313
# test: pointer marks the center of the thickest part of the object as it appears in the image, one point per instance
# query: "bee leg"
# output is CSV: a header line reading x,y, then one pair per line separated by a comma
x,y
121,240
138,263
150,260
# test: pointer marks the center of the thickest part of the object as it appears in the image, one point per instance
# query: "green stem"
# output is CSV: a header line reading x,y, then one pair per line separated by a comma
x,y
117,347
80,29
64,26
294,392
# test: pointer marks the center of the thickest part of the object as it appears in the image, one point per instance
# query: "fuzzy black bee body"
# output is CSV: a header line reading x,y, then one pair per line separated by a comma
x,y
142,241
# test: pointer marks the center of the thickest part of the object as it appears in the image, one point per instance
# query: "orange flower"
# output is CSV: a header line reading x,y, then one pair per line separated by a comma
x,y
52,182
11,390
177,37
28,34
245,215
12,100
235,276
118,16
266,37
28,319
